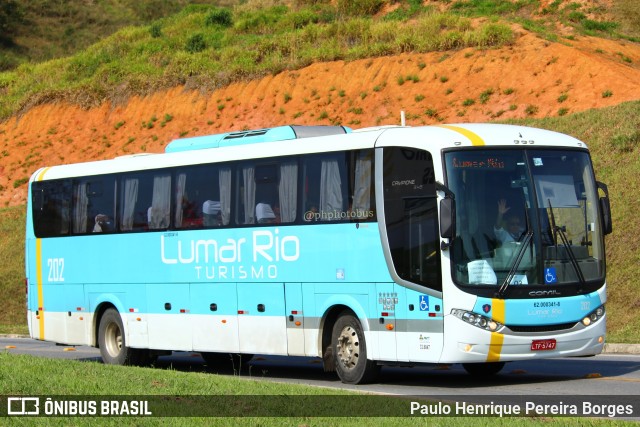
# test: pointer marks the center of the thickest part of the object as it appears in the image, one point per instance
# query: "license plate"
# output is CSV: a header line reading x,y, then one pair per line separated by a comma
x,y
540,345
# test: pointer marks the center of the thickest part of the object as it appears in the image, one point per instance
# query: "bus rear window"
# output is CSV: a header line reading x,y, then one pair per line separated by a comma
x,y
51,207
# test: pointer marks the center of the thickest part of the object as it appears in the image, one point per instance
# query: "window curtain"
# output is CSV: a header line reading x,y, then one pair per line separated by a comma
x,y
180,189
288,191
330,187
80,210
161,202
225,194
362,184
249,196
130,198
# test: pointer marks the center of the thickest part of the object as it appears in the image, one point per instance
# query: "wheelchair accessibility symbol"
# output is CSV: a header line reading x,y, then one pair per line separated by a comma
x,y
424,303
550,275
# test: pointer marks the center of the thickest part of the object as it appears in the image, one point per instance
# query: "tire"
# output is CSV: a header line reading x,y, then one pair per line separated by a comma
x,y
483,369
350,352
112,343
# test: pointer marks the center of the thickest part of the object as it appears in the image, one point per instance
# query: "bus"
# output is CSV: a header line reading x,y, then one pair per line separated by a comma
x,y
476,244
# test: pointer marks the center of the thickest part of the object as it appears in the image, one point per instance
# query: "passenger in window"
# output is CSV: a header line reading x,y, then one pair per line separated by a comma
x,y
265,214
513,230
278,216
190,217
103,224
212,213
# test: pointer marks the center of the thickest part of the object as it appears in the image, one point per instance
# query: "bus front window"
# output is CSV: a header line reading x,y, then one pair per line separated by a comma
x,y
524,217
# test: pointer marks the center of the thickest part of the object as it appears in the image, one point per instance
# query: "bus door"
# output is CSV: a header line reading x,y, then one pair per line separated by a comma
x,y
412,232
295,319
262,325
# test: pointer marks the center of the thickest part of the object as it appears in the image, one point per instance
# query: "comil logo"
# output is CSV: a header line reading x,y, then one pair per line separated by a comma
x,y
23,406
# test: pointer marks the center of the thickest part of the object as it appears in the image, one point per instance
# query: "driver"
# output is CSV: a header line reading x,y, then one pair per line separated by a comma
x,y
513,230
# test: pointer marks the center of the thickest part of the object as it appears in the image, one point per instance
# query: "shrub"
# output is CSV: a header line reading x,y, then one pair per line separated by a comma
x,y
626,143
531,110
484,96
195,43
220,17
359,7
18,182
155,30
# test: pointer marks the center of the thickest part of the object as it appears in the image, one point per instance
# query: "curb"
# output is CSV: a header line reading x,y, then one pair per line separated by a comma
x,y
608,348
621,349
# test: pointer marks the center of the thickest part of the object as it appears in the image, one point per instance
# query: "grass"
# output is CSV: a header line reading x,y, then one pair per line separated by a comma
x,y
183,50
45,29
23,375
12,292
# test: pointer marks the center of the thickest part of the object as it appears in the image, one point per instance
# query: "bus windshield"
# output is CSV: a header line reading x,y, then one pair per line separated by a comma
x,y
525,218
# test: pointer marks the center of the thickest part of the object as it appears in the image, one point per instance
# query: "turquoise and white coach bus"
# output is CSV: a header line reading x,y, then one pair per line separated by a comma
x,y
470,243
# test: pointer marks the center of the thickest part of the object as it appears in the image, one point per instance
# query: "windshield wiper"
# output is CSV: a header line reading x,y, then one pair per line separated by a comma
x,y
512,271
514,268
560,231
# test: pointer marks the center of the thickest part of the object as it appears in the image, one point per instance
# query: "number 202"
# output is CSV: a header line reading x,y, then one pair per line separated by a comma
x,y
56,269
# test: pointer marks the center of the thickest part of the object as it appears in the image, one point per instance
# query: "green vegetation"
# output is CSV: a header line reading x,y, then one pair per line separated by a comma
x,y
208,47
39,30
23,375
12,291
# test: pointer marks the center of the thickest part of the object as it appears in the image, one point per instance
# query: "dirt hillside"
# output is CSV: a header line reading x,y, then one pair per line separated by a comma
x,y
533,78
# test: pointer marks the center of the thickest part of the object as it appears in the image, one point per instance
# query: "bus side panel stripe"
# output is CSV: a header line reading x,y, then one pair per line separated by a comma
x,y
39,284
498,310
495,346
473,137
40,177
41,174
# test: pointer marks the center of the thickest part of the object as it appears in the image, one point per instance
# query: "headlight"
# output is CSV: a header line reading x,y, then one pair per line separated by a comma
x,y
476,319
594,316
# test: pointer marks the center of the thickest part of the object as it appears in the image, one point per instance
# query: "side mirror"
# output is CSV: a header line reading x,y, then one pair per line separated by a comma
x,y
605,209
447,218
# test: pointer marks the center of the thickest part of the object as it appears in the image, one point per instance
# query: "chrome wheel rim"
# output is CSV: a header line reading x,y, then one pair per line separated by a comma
x,y
348,347
113,339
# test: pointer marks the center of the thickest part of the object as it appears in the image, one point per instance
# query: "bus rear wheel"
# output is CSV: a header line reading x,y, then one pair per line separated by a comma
x,y
350,352
112,342
483,369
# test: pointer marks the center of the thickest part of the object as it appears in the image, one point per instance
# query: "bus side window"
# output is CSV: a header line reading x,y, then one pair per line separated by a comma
x,y
145,201
411,215
362,205
268,193
202,196
93,205
51,208
325,187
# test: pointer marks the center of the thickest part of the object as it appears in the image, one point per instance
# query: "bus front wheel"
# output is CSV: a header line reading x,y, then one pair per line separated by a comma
x,y
350,352
112,342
